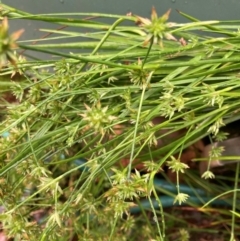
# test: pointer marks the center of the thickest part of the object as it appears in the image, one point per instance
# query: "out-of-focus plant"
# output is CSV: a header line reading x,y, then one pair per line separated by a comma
x,y
8,43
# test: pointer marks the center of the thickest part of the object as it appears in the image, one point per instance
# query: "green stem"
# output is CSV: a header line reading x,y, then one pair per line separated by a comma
x,y
234,202
162,235
155,218
80,58
148,52
113,228
137,122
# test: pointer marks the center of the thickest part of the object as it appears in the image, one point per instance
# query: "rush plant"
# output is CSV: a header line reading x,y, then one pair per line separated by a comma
x,y
87,129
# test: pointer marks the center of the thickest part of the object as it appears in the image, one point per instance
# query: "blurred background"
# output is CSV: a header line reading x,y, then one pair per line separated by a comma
x,y
202,9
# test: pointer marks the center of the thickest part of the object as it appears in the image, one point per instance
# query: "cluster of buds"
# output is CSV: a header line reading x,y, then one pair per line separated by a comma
x,y
157,28
8,44
97,117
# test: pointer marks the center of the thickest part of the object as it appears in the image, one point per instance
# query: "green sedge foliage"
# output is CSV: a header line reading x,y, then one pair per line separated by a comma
x,y
97,102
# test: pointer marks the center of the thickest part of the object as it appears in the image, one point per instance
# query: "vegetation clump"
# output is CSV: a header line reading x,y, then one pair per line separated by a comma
x,y
132,91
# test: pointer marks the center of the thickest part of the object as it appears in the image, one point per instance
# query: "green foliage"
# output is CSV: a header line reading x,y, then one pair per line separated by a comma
x,y
127,93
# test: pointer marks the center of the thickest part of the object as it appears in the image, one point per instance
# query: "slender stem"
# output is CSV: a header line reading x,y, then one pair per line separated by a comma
x,y
84,59
155,218
234,202
113,228
135,133
161,211
148,52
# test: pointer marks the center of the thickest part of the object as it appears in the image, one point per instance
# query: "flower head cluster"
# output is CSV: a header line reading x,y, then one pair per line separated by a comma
x,y
176,165
97,117
140,77
8,43
157,28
